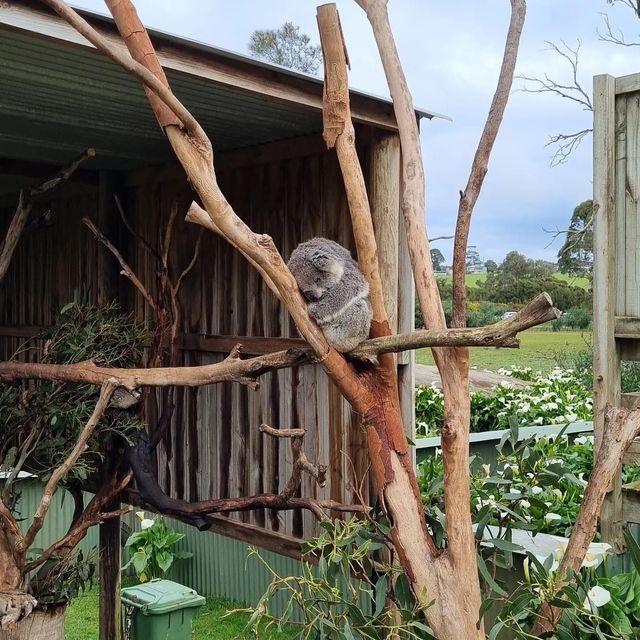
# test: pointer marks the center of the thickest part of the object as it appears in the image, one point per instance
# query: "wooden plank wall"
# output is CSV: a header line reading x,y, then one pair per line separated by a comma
x,y
50,266
627,203
215,448
616,284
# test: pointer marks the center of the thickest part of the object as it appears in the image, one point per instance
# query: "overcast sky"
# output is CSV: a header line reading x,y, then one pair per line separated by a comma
x,y
451,51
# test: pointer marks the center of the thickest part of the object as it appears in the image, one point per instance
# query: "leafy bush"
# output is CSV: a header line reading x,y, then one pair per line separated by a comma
x,y
151,548
50,415
332,603
61,579
554,398
582,364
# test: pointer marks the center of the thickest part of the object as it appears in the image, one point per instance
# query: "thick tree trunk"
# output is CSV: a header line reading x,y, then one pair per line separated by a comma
x,y
40,625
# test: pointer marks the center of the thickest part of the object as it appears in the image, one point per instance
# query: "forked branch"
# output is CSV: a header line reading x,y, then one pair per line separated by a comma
x,y
620,429
37,520
25,204
480,166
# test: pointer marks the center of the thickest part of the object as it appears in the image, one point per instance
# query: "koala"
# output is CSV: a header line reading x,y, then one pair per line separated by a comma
x,y
338,294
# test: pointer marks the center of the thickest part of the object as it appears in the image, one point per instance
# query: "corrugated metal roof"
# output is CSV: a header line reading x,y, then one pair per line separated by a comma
x,y
56,100
58,95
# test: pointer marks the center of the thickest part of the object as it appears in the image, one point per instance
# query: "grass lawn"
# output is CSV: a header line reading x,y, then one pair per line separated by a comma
x,y
538,349
209,623
472,279
574,281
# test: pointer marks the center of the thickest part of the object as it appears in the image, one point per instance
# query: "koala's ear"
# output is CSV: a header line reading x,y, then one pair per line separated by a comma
x,y
323,261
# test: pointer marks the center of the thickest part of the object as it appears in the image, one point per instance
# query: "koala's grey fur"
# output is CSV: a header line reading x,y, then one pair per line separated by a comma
x,y
338,294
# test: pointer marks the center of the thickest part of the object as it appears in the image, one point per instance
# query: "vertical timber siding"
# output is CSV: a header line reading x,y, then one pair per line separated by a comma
x,y
214,448
226,456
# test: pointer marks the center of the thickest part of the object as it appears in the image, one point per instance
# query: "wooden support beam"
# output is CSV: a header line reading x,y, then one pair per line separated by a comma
x,y
384,199
606,366
110,563
627,327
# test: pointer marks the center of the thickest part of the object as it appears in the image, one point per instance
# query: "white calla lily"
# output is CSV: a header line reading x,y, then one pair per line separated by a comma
x,y
146,523
597,596
552,517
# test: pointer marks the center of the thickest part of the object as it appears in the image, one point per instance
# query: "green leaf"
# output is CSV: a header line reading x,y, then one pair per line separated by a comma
x,y
381,595
164,560
139,560
634,549
503,545
488,578
495,630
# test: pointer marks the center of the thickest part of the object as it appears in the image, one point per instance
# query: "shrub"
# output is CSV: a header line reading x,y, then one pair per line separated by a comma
x,y
582,363
62,409
151,548
555,398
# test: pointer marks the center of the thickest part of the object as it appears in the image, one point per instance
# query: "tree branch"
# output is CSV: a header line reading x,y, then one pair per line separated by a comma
x,y
500,334
413,201
235,369
339,133
480,164
23,209
37,520
90,516
621,428
127,271
231,369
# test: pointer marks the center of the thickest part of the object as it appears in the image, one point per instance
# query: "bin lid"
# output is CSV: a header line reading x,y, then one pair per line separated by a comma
x,y
161,596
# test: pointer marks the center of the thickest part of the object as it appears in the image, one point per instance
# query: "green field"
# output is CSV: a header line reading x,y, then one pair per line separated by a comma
x,y
574,281
472,279
538,349
211,623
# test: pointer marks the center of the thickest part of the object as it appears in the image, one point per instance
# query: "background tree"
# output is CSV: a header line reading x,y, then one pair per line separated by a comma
x,y
518,276
491,266
288,47
575,257
436,259
473,261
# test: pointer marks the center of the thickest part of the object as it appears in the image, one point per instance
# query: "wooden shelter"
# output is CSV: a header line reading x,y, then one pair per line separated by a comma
x,y
616,285
58,96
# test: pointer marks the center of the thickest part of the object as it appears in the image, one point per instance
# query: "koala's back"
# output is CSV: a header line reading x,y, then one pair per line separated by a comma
x,y
340,294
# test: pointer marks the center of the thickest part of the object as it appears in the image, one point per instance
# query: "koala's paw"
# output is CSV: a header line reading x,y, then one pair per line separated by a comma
x,y
314,311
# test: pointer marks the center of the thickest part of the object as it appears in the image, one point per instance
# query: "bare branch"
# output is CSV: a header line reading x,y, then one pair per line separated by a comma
x,y
621,428
90,516
615,36
189,267
480,164
573,91
339,133
127,271
23,209
231,369
566,143
141,241
234,369
501,334
37,520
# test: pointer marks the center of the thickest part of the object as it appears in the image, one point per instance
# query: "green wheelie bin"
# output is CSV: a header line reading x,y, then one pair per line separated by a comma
x,y
159,610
